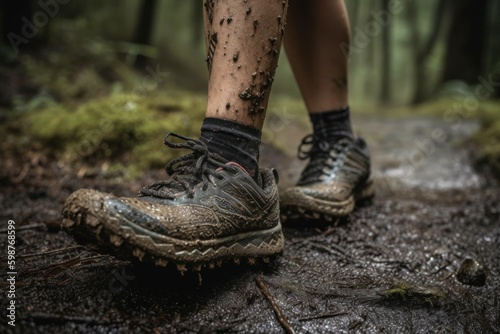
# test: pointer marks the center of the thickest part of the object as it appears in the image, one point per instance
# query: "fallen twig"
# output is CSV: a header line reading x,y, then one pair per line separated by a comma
x,y
446,277
440,269
51,252
24,227
24,172
323,316
54,269
281,317
355,325
329,230
326,249
48,317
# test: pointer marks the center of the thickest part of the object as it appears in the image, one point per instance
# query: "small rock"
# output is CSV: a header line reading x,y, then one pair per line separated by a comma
x,y
471,272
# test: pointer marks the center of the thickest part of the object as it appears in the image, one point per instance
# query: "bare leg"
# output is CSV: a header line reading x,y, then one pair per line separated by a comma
x,y
315,30
243,45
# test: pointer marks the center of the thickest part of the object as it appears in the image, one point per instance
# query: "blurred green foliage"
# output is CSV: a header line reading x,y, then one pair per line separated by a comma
x,y
121,130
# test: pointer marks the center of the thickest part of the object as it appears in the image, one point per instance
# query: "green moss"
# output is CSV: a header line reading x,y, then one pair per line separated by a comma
x,y
120,129
123,133
487,140
399,289
413,293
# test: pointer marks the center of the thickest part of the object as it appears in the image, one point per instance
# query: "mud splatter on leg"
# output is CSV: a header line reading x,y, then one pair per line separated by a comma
x,y
242,57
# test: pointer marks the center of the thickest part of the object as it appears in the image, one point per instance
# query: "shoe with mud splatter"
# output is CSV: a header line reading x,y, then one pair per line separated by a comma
x,y
205,213
336,177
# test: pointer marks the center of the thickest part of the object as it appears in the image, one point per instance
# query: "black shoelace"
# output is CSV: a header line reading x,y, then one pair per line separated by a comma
x,y
321,154
186,171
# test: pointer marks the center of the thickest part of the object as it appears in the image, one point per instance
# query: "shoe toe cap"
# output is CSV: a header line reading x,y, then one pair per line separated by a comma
x,y
82,206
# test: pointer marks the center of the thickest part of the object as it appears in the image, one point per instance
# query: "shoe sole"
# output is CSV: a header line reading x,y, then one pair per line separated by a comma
x,y
124,238
317,209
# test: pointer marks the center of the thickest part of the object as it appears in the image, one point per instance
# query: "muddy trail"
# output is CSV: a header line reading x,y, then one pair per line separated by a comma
x,y
397,265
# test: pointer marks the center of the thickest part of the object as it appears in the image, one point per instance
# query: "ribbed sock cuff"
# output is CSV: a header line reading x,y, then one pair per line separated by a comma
x,y
332,124
233,142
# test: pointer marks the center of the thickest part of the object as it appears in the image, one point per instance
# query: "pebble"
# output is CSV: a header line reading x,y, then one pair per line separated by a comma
x,y
471,272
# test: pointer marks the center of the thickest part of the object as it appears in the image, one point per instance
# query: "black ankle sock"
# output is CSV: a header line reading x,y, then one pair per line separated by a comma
x,y
332,125
233,142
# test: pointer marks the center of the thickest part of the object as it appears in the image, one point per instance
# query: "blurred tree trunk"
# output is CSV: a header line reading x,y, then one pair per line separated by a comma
x,y
197,22
368,53
12,20
386,59
144,28
493,60
423,50
493,40
465,46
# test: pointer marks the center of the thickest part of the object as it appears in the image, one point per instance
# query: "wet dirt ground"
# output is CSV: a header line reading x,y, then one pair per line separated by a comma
x,y
391,267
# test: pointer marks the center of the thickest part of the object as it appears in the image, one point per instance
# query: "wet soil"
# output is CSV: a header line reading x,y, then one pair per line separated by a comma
x,y
389,267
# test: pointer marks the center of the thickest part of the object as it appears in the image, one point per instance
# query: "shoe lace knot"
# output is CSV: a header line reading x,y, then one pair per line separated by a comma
x,y
185,172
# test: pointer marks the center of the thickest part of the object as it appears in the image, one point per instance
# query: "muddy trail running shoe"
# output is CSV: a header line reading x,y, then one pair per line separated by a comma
x,y
205,213
336,177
